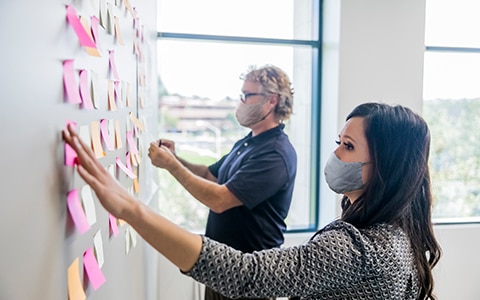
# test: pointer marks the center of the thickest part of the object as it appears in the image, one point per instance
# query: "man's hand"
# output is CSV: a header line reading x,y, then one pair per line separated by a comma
x,y
162,156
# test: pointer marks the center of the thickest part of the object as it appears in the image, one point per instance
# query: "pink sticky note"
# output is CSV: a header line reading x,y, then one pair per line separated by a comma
x,y
82,35
95,21
113,224
125,169
105,134
76,211
131,143
113,66
70,154
95,274
69,82
85,90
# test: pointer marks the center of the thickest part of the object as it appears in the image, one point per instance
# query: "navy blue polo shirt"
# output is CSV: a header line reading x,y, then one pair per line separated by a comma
x,y
260,171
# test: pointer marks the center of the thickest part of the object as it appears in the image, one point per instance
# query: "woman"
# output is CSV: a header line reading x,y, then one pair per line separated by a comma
x,y
382,247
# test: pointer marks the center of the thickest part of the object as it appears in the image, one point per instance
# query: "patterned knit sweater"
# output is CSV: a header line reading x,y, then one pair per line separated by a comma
x,y
339,262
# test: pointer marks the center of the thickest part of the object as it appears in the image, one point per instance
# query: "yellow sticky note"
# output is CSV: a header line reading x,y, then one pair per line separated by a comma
x,y
75,289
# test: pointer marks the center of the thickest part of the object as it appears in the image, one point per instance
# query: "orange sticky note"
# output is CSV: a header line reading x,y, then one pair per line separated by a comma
x,y
96,141
118,135
111,96
116,30
75,289
136,186
127,94
137,122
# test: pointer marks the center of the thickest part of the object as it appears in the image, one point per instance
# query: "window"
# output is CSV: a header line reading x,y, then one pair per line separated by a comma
x,y
452,106
203,48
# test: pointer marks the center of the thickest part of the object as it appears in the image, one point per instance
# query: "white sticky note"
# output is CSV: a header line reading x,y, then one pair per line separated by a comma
x,y
98,248
89,205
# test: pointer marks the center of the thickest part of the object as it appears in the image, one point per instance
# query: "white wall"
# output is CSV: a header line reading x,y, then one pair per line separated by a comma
x,y
378,46
373,51
38,238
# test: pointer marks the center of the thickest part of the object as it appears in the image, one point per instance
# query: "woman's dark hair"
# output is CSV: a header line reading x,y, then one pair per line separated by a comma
x,y
398,191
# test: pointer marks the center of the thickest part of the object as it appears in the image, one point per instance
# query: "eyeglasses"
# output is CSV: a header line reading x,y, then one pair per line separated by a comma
x,y
244,97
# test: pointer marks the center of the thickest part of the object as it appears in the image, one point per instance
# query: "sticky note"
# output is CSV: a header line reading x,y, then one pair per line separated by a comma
x,y
118,96
92,51
98,248
69,83
131,142
89,205
116,31
113,66
76,211
105,134
139,124
124,168
70,154
113,224
111,96
96,141
75,289
82,35
95,274
118,135
127,94
85,90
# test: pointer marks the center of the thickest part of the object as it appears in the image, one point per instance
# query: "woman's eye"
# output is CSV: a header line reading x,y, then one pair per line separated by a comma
x,y
348,146
337,142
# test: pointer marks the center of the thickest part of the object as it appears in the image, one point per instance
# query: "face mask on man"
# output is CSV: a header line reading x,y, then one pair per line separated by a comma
x,y
250,114
343,177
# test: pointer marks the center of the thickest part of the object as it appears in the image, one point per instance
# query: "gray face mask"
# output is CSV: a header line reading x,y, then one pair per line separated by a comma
x,y
343,176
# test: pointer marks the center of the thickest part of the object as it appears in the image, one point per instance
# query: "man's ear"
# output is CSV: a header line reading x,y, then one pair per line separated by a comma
x,y
273,99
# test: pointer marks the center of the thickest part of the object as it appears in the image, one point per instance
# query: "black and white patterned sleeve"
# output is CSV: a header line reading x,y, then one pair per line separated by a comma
x,y
332,259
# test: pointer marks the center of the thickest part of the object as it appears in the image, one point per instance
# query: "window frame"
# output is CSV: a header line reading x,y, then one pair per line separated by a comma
x,y
316,101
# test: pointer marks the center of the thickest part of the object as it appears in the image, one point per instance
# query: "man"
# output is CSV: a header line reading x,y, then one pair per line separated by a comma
x,y
249,190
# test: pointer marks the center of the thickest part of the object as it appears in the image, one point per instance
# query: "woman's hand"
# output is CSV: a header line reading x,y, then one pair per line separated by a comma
x,y
113,197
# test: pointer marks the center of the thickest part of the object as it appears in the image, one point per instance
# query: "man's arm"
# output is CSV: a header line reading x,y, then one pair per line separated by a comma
x,y
199,170
215,196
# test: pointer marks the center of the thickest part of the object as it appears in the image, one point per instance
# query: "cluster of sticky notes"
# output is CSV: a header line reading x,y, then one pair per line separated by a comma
x,y
77,93
82,86
82,30
92,267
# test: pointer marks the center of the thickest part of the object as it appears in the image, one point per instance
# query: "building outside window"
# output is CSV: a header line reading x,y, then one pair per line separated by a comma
x,y
203,48
452,107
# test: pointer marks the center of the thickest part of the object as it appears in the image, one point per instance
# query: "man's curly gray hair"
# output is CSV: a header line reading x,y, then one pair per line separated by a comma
x,y
273,81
